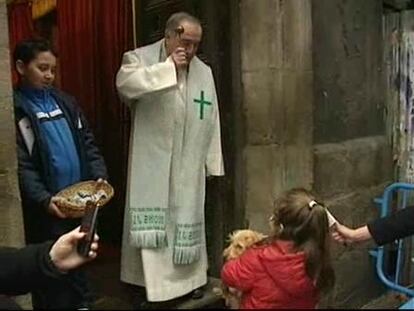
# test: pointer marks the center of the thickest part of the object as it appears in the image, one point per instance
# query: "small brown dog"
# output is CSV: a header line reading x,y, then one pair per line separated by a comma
x,y
239,242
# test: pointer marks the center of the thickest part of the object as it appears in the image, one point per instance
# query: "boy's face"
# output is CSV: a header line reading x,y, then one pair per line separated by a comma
x,y
40,72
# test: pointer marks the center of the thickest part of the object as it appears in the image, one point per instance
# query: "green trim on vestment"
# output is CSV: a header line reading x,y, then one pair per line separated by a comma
x,y
187,243
147,229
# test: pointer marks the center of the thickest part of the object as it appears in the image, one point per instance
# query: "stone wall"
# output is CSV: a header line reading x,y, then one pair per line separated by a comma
x,y
349,175
313,103
11,221
352,158
276,70
396,5
349,84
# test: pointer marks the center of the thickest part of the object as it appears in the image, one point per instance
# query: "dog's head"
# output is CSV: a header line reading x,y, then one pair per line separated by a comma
x,y
241,240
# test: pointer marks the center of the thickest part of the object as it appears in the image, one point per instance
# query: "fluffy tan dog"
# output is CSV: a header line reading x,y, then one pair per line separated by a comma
x,y
239,242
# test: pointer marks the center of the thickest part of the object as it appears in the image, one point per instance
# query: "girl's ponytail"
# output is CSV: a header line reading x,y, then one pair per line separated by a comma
x,y
305,222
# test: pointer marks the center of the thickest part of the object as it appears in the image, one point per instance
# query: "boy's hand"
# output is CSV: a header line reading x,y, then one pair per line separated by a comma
x,y
54,210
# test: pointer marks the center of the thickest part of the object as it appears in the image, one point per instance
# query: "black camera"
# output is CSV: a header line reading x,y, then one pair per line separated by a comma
x,y
88,225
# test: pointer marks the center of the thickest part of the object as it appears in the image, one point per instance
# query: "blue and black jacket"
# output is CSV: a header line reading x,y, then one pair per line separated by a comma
x,y
35,179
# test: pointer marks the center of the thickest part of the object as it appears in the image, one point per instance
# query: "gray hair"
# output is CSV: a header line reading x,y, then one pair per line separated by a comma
x,y
176,19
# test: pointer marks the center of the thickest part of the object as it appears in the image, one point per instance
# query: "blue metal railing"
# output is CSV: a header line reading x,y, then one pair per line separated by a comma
x,y
384,203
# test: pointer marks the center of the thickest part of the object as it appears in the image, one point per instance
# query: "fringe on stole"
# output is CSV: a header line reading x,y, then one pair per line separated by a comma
x,y
185,255
148,239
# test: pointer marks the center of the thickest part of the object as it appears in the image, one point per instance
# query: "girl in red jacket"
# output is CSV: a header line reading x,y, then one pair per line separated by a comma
x,y
292,267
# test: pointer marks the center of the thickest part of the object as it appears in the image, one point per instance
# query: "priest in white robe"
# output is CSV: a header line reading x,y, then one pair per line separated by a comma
x,y
175,143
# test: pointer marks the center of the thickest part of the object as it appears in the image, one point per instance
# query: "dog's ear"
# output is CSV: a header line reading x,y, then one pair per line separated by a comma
x,y
230,237
258,236
262,236
233,235
226,252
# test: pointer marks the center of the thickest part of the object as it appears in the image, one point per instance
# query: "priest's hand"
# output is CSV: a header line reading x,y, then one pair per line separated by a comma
x,y
179,58
54,210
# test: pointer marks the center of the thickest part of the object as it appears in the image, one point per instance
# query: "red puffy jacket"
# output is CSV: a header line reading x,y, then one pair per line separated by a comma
x,y
270,277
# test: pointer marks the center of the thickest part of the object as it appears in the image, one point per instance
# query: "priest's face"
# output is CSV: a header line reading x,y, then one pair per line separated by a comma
x,y
189,39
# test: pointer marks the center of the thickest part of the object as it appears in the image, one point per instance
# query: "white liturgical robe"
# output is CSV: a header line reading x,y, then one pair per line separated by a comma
x,y
175,143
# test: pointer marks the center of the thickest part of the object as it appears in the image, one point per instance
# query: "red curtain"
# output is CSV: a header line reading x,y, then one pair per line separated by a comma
x,y
92,36
113,38
76,30
20,26
115,26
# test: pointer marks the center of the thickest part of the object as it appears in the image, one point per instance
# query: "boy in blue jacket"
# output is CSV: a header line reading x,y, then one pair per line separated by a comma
x,y
55,149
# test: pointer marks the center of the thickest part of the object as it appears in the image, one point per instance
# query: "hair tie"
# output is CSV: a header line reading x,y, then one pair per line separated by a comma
x,y
312,204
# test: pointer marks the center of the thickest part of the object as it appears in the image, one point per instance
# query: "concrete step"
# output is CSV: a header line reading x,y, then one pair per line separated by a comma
x,y
210,300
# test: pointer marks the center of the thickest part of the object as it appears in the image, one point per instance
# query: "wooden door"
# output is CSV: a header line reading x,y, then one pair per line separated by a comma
x,y
215,50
